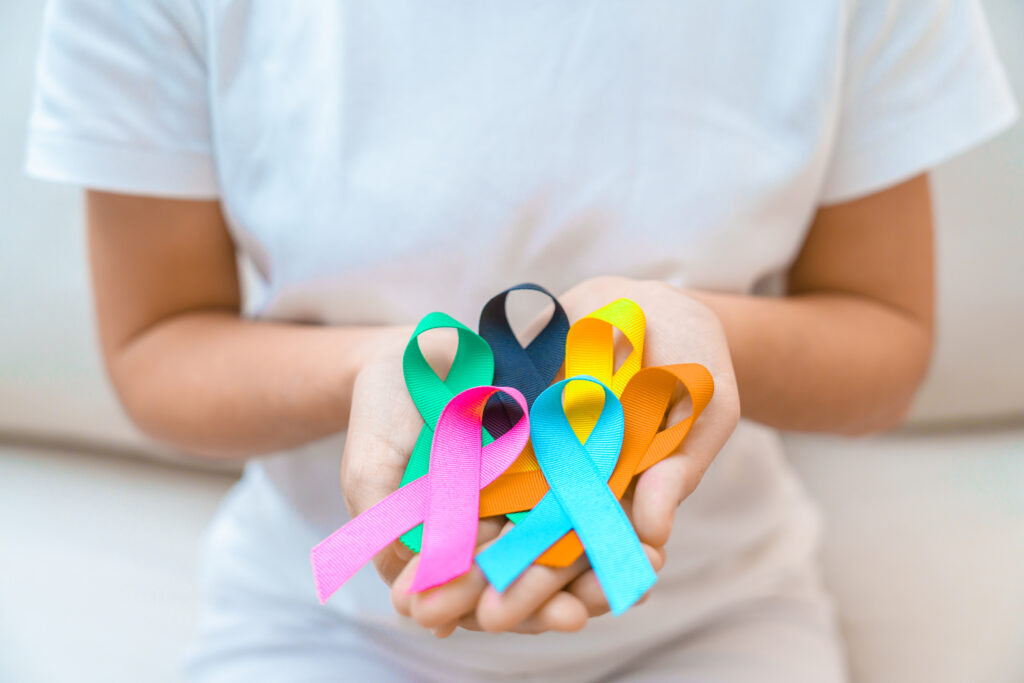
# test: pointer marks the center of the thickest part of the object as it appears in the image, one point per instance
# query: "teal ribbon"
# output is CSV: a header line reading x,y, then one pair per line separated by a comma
x,y
579,500
473,366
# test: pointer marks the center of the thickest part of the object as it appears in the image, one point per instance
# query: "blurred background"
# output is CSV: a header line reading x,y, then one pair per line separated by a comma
x,y
924,546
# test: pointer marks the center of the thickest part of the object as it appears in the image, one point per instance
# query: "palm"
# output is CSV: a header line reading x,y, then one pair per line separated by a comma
x,y
382,431
384,425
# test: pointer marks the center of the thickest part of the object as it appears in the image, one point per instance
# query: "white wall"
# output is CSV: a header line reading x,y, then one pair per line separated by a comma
x,y
51,381
978,369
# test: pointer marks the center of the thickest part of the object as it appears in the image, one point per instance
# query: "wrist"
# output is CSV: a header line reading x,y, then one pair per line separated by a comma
x,y
375,344
719,306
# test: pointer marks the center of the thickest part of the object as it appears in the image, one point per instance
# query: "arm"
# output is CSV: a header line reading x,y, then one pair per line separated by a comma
x,y
192,372
188,369
845,350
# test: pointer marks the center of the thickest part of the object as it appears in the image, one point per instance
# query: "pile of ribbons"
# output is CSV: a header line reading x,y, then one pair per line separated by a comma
x,y
500,439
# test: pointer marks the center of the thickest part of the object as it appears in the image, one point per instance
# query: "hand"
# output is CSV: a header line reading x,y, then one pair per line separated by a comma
x,y
541,599
679,329
382,430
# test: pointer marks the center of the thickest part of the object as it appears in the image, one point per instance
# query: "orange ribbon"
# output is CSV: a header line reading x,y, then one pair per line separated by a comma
x,y
646,396
645,402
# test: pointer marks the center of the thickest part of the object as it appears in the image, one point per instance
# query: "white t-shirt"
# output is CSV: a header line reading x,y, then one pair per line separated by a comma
x,y
380,160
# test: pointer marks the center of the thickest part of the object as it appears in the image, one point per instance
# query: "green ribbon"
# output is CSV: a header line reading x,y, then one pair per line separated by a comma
x,y
473,366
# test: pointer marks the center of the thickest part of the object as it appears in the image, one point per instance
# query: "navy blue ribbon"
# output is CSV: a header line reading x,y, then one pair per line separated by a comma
x,y
531,369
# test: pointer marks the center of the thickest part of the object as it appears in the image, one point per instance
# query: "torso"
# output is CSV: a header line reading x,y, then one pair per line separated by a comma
x,y
429,155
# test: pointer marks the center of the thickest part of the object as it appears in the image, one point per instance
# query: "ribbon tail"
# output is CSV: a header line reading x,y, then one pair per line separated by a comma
x,y
623,592
615,553
437,568
339,556
514,552
449,538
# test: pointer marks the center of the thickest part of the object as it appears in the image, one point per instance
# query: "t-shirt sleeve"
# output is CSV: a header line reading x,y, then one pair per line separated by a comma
x,y
121,101
922,83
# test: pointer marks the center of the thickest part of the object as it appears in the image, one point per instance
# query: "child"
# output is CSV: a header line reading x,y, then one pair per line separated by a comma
x,y
375,161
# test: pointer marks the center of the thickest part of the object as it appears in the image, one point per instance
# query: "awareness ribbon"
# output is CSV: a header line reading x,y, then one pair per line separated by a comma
x,y
446,499
646,396
645,401
590,350
531,370
579,497
472,366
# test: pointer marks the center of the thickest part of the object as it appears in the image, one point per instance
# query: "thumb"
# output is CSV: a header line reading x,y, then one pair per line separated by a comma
x,y
658,493
666,484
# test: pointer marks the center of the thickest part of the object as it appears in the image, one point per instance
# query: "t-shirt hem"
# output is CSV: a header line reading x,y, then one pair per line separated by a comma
x,y
122,168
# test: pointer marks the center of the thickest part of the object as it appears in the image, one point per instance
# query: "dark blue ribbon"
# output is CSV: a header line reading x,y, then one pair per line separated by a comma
x,y
530,370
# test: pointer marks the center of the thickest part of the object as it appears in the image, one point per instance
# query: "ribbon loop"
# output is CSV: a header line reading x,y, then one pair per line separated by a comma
x,y
449,505
579,499
472,366
530,369
645,402
590,350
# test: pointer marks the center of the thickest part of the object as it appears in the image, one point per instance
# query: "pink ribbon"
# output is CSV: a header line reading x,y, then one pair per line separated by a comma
x,y
446,500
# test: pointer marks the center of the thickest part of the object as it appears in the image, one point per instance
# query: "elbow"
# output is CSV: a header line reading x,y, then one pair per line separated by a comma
x,y
144,391
134,387
892,401
138,405
888,417
885,416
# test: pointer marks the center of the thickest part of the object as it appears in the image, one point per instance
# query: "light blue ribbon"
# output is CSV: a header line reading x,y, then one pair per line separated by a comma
x,y
579,500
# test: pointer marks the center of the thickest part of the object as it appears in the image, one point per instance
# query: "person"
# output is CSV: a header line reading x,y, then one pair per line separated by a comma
x,y
276,192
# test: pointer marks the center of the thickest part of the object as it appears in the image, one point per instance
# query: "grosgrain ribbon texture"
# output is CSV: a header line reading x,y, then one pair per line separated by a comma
x,y
472,366
579,499
531,369
603,427
646,400
590,350
448,505
646,394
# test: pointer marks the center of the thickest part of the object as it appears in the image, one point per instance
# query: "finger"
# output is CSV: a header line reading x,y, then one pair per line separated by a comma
x,y
504,611
401,599
390,562
587,589
446,630
661,489
443,604
436,606
470,623
562,612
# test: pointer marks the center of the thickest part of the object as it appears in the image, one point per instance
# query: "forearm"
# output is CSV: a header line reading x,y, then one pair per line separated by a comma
x,y
214,384
823,362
